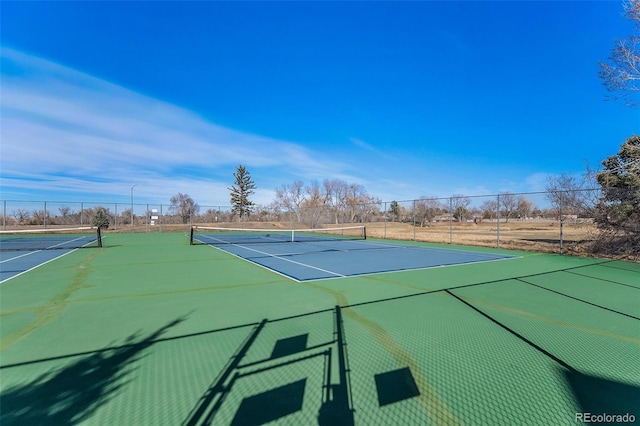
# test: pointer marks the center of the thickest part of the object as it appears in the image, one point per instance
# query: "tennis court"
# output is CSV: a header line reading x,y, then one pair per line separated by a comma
x,y
150,330
22,250
330,253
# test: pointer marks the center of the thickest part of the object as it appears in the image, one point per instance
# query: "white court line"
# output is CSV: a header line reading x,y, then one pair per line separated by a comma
x,y
40,264
47,248
245,259
280,258
37,266
382,245
431,249
422,268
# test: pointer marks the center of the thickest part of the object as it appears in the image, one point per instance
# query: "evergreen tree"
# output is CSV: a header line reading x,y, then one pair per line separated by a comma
x,y
241,190
100,218
619,206
394,209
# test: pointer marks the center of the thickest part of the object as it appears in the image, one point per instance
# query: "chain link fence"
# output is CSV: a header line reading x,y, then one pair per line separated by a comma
x,y
558,222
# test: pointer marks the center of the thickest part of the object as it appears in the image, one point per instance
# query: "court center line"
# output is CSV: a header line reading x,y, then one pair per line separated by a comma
x,y
286,260
488,257
423,268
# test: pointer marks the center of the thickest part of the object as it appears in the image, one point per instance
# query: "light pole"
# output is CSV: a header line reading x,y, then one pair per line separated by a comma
x,y
132,203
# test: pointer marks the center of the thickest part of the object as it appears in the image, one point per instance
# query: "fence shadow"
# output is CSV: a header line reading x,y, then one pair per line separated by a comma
x,y
74,392
599,395
277,402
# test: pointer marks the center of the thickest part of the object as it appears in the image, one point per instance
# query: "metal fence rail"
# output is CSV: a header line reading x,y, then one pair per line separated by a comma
x,y
557,221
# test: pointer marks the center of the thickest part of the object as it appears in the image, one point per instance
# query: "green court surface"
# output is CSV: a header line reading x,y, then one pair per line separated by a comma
x,y
149,330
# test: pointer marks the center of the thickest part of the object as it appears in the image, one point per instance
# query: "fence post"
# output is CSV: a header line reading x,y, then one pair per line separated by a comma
x,y
561,221
498,226
450,220
4,214
115,219
414,220
44,216
384,234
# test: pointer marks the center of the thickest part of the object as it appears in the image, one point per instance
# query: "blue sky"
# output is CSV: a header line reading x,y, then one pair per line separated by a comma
x,y
405,98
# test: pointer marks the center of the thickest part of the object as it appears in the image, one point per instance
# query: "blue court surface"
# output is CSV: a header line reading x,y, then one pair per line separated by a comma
x,y
20,253
304,261
15,263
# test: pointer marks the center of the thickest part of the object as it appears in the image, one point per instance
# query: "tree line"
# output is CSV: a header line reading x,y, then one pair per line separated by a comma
x,y
610,197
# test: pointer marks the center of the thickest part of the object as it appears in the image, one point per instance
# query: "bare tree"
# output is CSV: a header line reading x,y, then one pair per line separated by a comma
x,y
211,215
65,211
427,208
370,207
508,204
184,206
525,207
291,197
566,194
459,206
125,217
314,203
356,202
621,73
40,217
269,212
21,215
66,215
334,194
489,209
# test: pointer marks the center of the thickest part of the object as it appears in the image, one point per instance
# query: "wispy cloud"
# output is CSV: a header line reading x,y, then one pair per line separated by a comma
x,y
364,145
537,181
70,136
67,132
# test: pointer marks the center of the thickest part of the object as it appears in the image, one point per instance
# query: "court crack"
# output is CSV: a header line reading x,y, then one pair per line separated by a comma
x,y
434,405
52,309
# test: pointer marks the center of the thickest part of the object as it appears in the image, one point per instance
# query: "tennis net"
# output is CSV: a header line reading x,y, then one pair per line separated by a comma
x,y
217,235
50,239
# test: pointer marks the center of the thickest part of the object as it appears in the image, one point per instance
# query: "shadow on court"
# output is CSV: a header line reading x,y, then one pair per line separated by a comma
x,y
297,369
598,395
334,397
73,393
272,390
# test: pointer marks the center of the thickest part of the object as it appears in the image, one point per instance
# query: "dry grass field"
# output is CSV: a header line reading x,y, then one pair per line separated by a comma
x,y
539,236
543,236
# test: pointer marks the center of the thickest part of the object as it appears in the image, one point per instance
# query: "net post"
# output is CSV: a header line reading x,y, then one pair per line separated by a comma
x,y
191,236
364,232
99,236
